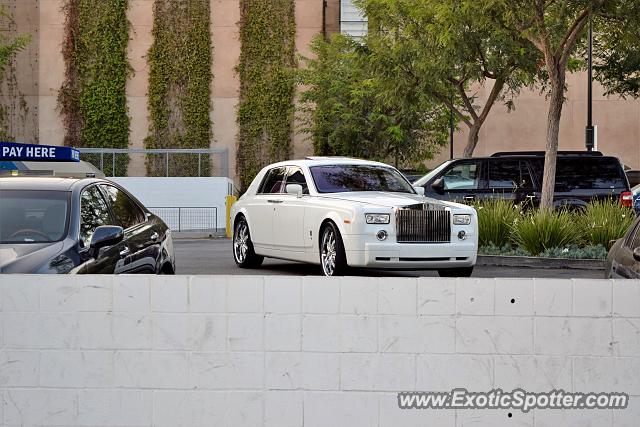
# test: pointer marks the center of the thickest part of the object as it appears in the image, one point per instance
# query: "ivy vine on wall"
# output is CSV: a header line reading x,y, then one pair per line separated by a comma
x,y
179,84
266,70
92,98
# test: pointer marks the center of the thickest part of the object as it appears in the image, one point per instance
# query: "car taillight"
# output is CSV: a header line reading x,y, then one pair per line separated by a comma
x,y
626,199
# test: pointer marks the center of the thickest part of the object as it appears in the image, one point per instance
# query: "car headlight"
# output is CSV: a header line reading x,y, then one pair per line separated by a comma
x,y
461,219
378,218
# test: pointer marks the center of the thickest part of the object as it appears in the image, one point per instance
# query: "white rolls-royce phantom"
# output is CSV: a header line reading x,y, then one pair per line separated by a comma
x,y
340,213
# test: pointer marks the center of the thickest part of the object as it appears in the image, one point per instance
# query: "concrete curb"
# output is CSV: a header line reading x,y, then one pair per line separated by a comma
x,y
539,262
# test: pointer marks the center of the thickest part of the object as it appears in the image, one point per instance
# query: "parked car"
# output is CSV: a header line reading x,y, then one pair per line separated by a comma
x,y
580,178
72,225
341,213
624,257
636,198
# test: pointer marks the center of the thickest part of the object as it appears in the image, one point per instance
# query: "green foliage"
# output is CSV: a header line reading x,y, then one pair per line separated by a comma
x,y
179,84
267,87
569,252
540,230
92,99
351,111
9,47
496,218
446,48
603,221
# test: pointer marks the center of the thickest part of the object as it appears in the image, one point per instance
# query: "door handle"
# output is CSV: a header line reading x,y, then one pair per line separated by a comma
x,y
125,252
275,201
155,236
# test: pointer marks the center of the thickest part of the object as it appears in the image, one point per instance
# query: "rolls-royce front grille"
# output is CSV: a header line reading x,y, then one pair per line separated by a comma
x,y
423,226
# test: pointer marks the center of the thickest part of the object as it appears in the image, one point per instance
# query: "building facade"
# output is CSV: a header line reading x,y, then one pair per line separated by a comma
x,y
40,71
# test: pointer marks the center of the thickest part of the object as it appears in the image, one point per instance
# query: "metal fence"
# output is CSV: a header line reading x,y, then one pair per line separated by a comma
x,y
188,219
115,162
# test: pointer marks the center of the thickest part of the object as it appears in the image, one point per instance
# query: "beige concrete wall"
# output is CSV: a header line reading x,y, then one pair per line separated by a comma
x,y
524,128
618,120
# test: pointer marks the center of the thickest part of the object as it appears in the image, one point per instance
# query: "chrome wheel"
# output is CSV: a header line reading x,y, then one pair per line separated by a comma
x,y
328,258
241,242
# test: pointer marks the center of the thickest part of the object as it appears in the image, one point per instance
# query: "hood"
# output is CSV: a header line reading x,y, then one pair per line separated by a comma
x,y
26,258
383,199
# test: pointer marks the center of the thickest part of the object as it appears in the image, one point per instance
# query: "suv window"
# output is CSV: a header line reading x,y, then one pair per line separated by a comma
x,y
94,212
510,174
124,208
273,181
588,173
296,176
462,176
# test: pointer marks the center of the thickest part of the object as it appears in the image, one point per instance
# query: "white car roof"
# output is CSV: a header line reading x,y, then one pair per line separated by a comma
x,y
321,161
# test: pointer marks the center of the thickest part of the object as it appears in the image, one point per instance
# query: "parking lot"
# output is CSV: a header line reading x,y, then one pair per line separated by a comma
x,y
213,256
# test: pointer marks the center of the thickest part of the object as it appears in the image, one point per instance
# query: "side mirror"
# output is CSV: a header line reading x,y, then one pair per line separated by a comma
x,y
438,185
636,254
419,190
106,235
294,189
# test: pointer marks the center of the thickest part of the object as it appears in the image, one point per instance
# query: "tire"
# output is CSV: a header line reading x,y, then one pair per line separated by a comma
x,y
243,253
456,272
333,260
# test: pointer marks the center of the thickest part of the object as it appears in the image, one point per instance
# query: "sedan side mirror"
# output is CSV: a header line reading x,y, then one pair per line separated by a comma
x,y
294,189
438,185
106,235
636,254
419,190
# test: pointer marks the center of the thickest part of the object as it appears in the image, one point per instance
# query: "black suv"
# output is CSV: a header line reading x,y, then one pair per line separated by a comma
x,y
581,176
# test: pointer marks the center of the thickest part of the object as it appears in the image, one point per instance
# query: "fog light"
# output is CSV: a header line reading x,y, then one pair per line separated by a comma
x,y
382,235
462,235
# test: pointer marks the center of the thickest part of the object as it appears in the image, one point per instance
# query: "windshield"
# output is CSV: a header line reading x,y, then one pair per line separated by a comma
x,y
422,181
33,216
345,178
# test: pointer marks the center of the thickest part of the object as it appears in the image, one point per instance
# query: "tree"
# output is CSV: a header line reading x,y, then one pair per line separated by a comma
x,y
555,28
449,49
9,46
350,110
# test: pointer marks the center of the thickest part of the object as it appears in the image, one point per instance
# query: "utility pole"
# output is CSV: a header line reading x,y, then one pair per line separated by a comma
x,y
590,130
451,134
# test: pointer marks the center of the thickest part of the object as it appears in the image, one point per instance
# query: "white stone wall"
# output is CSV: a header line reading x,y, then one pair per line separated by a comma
x,y
291,351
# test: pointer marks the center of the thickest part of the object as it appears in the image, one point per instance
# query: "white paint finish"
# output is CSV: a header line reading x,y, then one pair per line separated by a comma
x,y
475,296
179,192
236,351
553,297
572,336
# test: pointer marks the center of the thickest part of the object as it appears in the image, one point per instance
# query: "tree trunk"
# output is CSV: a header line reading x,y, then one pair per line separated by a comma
x,y
472,140
556,102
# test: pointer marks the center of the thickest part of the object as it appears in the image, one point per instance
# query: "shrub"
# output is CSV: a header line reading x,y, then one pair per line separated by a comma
x,y
603,221
495,220
538,231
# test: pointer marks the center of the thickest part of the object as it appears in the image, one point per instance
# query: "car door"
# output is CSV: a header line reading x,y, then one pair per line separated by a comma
x,y
94,212
624,264
463,181
510,179
288,218
141,241
262,207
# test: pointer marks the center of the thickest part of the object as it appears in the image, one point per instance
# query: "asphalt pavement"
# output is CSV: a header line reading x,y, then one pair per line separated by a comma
x,y
214,257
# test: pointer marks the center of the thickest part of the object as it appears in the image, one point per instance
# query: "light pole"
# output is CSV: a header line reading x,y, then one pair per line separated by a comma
x,y
590,130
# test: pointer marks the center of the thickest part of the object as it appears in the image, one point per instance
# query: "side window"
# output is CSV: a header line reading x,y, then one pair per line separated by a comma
x,y
296,176
126,211
509,174
94,212
273,181
462,176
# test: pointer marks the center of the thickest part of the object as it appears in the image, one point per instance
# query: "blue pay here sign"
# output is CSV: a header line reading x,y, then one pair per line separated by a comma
x,y
13,151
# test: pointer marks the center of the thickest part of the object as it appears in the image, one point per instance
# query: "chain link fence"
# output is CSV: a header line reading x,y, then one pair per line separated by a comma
x,y
188,219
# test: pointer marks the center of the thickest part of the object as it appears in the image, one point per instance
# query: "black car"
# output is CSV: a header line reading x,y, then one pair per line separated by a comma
x,y
580,178
624,257
71,225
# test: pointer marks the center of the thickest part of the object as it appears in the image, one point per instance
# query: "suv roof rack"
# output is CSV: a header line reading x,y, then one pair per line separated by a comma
x,y
542,153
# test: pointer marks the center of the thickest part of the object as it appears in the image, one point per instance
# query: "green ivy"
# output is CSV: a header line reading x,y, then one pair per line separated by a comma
x,y
179,84
92,99
267,86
